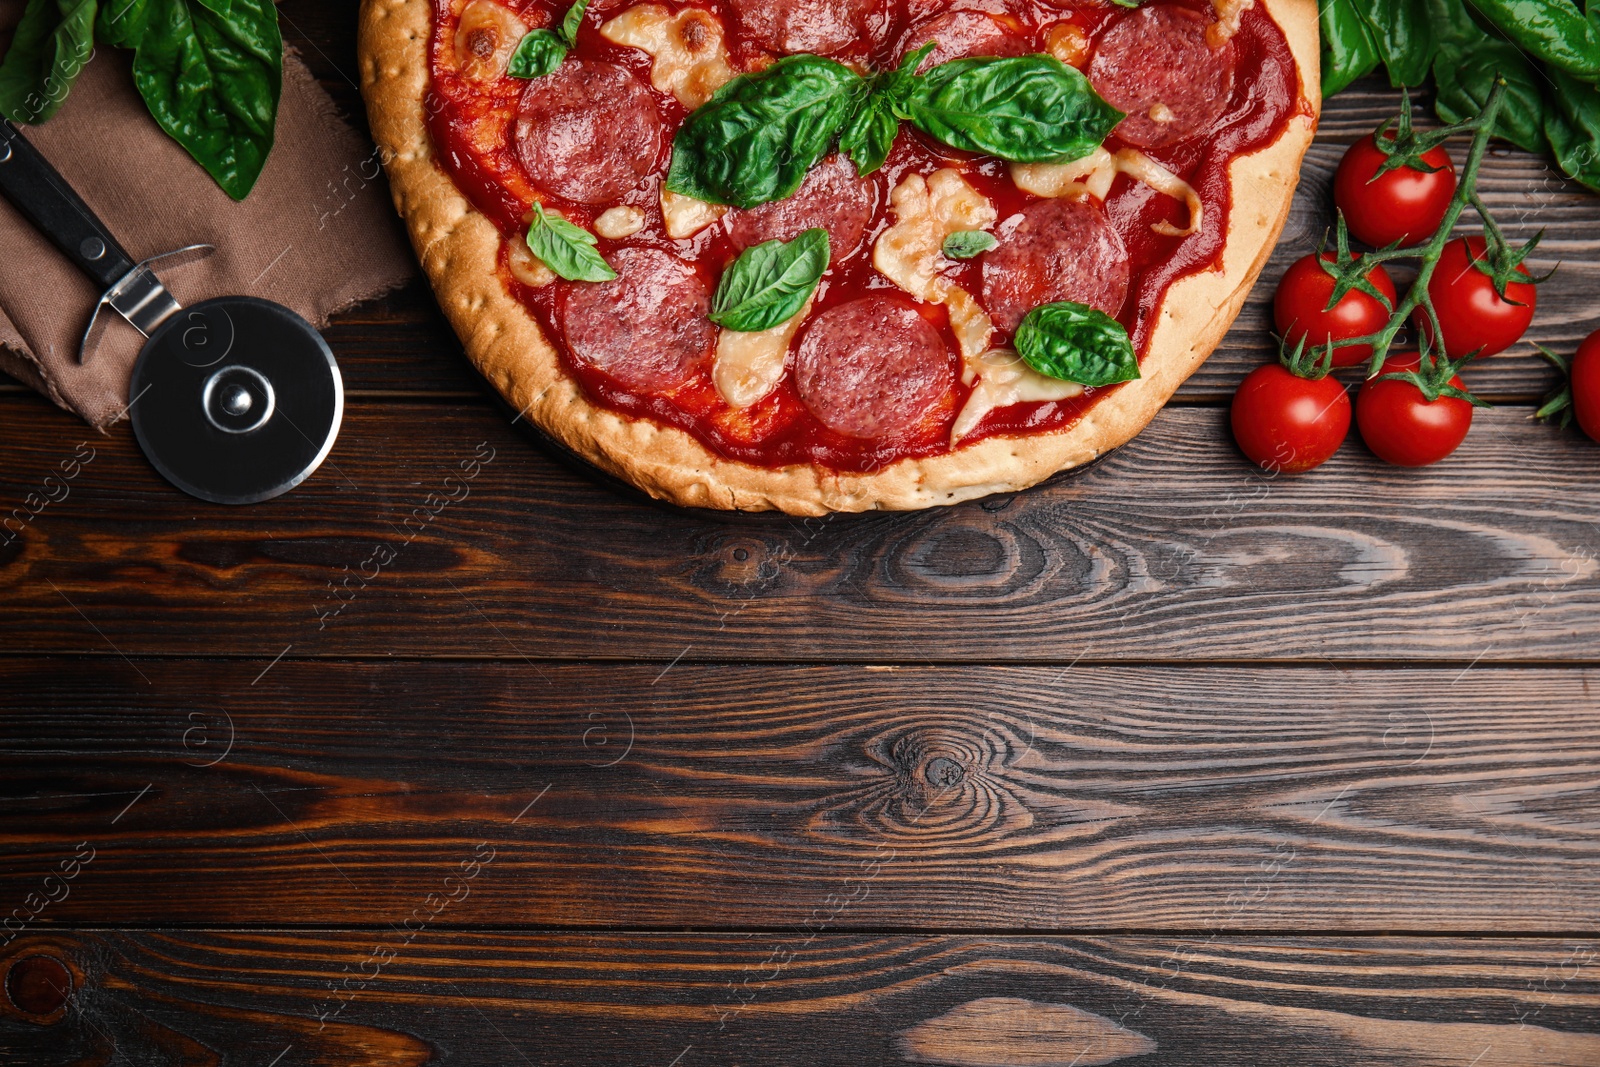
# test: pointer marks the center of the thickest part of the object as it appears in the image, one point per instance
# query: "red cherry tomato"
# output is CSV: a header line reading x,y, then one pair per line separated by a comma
x,y
1401,426
1287,423
1300,309
1403,205
1586,386
1471,313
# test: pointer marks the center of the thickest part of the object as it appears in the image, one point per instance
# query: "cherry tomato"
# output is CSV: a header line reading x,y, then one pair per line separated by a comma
x,y
1471,313
1405,205
1287,423
1299,310
1586,386
1401,426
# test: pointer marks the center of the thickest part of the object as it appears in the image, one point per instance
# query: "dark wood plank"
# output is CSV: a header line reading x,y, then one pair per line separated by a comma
x,y
748,796
388,996
1173,549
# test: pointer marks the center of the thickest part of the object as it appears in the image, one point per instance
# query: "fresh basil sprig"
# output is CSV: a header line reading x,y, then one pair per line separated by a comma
x,y
769,283
968,244
870,132
754,141
756,138
540,52
566,249
1076,343
1023,109
210,71
48,52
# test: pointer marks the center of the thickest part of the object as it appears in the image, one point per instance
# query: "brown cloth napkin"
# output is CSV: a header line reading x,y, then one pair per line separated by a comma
x,y
317,234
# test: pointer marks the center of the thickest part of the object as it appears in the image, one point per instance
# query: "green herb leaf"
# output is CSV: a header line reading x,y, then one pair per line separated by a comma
x,y
870,134
1404,38
769,283
968,244
121,23
213,83
1554,31
1025,109
1348,50
1572,123
1465,69
566,249
573,22
52,42
539,53
1075,343
754,141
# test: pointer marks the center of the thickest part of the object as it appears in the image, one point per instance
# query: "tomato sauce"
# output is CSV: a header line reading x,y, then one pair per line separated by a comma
x,y
472,126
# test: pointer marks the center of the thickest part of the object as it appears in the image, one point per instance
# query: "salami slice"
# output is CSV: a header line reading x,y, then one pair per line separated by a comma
x,y
590,132
1156,65
961,35
872,368
647,328
820,26
1055,250
833,197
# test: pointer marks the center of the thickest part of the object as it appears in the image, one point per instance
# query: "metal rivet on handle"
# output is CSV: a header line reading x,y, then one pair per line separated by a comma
x,y
5,151
92,248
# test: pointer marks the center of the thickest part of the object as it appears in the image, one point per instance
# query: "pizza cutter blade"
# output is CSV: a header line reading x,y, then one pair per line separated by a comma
x,y
234,400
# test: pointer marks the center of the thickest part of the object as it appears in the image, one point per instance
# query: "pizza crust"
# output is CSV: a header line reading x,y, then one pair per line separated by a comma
x,y
460,251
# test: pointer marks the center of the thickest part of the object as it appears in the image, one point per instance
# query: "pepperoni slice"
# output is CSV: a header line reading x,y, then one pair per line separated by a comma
x,y
833,197
647,328
1055,250
590,132
872,368
821,26
962,34
1156,65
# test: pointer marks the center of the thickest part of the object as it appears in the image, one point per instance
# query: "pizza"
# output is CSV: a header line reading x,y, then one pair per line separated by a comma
x,y
840,255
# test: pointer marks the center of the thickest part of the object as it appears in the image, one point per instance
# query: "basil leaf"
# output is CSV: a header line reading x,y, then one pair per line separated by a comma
x,y
121,23
769,283
1348,50
968,244
573,22
213,82
539,53
1572,124
1026,109
52,42
566,249
869,135
755,139
1465,75
1404,38
1075,343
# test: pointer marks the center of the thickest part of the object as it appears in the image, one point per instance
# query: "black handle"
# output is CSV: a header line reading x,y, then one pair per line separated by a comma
x,y
36,189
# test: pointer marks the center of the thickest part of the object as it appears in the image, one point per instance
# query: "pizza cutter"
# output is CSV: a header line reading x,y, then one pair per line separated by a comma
x,y
234,400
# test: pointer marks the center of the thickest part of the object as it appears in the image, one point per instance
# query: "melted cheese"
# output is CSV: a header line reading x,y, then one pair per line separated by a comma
x,y
1007,380
619,222
749,366
527,267
690,58
1093,174
1229,14
1068,43
485,38
685,216
928,210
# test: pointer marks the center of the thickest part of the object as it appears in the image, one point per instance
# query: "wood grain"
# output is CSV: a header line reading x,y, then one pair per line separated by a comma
x,y
1172,550
383,996
759,796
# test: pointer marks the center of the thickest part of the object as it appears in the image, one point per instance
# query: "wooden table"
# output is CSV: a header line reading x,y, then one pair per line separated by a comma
x,y
1171,760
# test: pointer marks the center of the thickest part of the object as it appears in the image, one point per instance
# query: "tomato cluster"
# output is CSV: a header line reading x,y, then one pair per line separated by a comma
x,y
1329,308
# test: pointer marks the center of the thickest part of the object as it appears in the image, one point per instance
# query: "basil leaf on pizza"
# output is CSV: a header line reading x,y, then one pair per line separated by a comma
x,y
869,134
969,244
1025,109
769,283
755,140
566,249
1076,343
540,52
